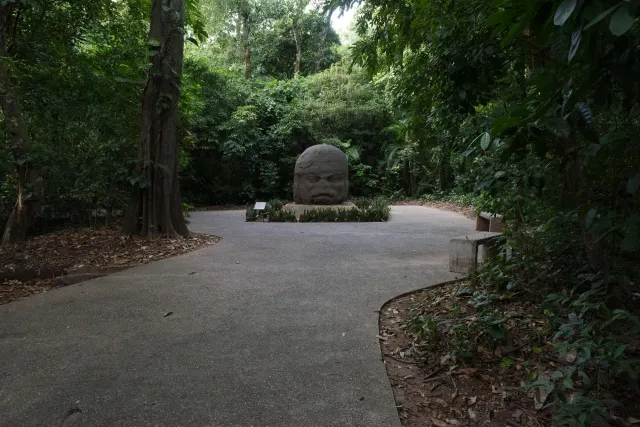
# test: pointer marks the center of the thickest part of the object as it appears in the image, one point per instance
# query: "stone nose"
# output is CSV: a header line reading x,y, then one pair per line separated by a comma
x,y
323,183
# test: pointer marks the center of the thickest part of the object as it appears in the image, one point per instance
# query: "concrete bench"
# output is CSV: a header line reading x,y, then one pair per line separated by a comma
x,y
463,251
489,222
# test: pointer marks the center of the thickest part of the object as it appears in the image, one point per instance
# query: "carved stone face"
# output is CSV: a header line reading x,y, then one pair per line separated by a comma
x,y
321,176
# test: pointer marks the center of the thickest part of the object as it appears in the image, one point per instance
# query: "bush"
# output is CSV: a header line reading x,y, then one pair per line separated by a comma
x,y
369,210
255,130
593,323
463,199
272,213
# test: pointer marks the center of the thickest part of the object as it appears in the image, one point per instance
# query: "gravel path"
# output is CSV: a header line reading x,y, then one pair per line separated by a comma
x,y
274,326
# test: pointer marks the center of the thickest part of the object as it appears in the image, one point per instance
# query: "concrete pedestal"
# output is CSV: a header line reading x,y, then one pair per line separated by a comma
x,y
463,251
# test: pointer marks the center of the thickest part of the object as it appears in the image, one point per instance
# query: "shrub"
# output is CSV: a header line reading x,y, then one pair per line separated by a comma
x,y
369,210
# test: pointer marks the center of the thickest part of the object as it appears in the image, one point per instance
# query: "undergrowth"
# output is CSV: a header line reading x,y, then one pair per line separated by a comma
x,y
458,198
584,357
368,210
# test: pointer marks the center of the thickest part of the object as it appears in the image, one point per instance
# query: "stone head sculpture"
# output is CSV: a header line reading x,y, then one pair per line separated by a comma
x,y
321,176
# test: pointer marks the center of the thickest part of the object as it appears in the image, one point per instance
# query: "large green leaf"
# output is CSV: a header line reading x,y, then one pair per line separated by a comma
x,y
485,141
515,31
564,11
633,184
499,17
558,126
576,37
600,17
501,123
630,243
496,332
591,216
621,21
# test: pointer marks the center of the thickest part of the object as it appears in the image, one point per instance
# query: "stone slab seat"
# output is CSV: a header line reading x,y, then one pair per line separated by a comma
x,y
463,250
487,221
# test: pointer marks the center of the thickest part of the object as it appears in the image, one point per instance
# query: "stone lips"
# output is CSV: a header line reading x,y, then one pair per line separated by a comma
x,y
321,176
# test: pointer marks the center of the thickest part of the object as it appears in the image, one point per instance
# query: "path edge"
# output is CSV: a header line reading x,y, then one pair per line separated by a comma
x,y
436,286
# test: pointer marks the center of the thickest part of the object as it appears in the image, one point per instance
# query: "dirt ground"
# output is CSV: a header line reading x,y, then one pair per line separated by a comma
x,y
448,369
32,267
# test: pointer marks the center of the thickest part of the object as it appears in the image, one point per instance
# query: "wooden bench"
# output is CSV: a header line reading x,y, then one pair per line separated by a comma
x,y
463,251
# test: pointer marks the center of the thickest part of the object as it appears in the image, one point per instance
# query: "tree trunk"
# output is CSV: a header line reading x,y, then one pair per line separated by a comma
x,y
443,181
155,208
297,36
323,39
246,32
444,164
30,188
239,38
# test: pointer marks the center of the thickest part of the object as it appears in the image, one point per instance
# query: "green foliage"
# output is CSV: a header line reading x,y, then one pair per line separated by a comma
x,y
425,328
463,199
187,208
276,47
369,210
344,109
327,215
436,76
589,326
271,39
280,216
463,332
195,21
252,215
239,138
83,122
463,337
255,130
540,101
373,210
272,213
591,318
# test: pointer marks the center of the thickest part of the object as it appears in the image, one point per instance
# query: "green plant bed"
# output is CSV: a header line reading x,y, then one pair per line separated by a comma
x,y
369,210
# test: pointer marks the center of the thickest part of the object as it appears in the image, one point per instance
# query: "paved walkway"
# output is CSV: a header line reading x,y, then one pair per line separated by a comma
x,y
274,326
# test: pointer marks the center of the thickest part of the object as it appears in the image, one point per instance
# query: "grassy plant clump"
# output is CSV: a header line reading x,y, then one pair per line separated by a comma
x,y
369,210
282,216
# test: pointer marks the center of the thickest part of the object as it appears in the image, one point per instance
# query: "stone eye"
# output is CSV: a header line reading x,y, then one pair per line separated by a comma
x,y
313,178
335,178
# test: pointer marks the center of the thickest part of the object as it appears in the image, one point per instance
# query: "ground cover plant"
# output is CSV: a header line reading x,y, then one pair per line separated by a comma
x,y
468,354
368,210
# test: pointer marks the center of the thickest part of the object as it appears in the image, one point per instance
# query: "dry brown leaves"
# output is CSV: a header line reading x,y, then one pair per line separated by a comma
x,y
29,268
12,290
433,387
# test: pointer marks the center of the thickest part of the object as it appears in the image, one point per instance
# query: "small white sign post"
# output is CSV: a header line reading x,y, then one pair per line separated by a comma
x,y
260,206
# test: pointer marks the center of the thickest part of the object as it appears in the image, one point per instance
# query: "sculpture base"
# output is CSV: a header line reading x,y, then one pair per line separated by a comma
x,y
300,209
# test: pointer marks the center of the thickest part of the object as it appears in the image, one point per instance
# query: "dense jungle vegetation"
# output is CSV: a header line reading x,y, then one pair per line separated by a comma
x,y
529,108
